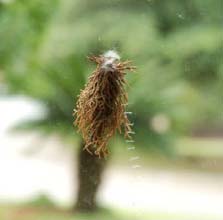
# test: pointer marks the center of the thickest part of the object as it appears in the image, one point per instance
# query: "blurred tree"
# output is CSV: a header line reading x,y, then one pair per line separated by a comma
x,y
177,46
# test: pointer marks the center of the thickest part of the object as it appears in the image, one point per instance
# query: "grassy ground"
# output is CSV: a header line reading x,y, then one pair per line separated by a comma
x,y
18,212
200,147
203,154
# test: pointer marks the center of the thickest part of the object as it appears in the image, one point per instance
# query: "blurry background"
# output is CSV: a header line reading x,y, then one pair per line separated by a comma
x,y
174,168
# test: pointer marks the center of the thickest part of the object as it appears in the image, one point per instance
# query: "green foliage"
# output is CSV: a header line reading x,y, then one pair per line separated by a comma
x,y
40,201
176,46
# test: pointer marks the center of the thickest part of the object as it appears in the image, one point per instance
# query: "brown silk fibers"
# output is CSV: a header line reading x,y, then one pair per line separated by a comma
x,y
100,109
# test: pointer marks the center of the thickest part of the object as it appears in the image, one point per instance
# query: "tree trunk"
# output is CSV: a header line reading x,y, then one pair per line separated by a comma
x,y
90,170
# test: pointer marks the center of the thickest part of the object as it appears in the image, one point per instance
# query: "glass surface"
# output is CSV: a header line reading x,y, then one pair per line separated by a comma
x,y
170,169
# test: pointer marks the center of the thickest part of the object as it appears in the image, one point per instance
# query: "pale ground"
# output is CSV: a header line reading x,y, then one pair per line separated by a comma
x,y
50,171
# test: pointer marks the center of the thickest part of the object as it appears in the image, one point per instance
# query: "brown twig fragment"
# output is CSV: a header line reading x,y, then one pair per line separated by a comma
x,y
100,109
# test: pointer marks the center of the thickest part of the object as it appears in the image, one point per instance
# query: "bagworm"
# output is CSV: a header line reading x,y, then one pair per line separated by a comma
x,y
100,108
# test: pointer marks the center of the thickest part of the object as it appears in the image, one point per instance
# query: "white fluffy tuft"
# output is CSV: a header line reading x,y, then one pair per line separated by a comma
x,y
110,59
111,54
